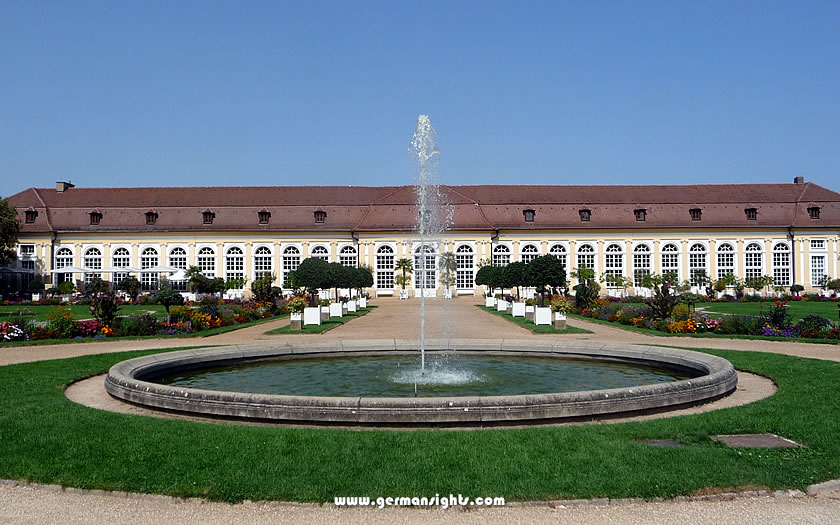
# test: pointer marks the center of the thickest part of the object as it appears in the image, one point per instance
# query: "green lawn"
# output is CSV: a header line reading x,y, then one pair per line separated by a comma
x,y
49,439
323,327
798,309
39,313
529,325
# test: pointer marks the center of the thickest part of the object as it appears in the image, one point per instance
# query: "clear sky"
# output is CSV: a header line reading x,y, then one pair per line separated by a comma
x,y
124,93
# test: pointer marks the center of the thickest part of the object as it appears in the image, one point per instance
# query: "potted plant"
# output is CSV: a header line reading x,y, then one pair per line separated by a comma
x,y
295,307
560,306
530,307
325,310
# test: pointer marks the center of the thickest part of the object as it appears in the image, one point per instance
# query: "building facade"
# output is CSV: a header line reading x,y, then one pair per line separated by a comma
x,y
788,231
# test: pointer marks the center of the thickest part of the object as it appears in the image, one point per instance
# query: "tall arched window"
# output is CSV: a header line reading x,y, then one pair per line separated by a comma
x,y
697,264
234,264
206,262
529,253
320,252
120,259
92,261
291,261
63,259
425,268
385,268
464,267
178,259
501,255
262,261
753,268
781,264
586,256
641,264
671,260
348,256
613,261
725,260
149,258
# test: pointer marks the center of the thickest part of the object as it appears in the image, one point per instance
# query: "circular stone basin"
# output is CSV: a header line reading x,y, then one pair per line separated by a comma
x,y
446,375
705,377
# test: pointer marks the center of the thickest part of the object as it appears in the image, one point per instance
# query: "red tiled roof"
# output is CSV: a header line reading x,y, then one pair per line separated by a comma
x,y
488,207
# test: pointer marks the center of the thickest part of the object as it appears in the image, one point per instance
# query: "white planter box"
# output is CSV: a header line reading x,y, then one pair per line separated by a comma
x,y
542,315
403,294
489,302
351,306
335,310
312,315
36,297
325,314
447,294
518,310
559,316
363,302
295,316
501,305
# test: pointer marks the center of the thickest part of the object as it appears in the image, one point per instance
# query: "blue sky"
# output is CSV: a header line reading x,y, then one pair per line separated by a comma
x,y
269,93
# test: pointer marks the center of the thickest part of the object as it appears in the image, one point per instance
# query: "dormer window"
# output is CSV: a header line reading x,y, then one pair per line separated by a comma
x,y
640,214
814,212
207,217
696,214
151,218
585,215
320,217
95,217
751,213
264,216
529,215
31,215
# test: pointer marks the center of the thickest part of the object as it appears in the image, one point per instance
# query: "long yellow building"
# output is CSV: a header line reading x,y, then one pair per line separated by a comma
x,y
789,231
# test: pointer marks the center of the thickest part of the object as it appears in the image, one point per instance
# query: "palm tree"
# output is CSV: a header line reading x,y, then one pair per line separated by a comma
x,y
448,265
404,265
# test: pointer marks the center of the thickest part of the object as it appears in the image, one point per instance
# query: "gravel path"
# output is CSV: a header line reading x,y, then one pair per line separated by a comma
x,y
458,318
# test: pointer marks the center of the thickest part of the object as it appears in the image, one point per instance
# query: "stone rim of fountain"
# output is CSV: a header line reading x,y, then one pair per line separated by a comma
x,y
126,381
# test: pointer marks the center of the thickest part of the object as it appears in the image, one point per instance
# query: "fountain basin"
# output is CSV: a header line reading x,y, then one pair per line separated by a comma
x,y
129,381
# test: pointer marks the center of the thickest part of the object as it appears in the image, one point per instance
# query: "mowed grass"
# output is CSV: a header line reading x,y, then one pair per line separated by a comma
x,y
326,326
79,311
529,325
797,309
49,439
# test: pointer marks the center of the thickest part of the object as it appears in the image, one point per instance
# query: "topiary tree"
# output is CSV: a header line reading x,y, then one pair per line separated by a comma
x,y
362,278
168,296
131,286
36,285
66,288
490,276
263,289
545,273
587,289
513,276
313,274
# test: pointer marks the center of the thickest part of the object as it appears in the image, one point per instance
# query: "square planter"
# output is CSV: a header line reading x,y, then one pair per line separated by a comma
x,y
325,314
312,315
447,294
296,321
363,302
352,306
529,313
335,310
490,302
403,294
501,305
542,315
518,309
559,321
344,309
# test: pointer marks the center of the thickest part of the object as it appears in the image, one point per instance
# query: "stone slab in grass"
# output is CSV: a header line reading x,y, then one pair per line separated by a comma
x,y
756,441
662,443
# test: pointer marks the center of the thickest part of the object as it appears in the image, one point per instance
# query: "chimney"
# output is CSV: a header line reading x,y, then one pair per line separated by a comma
x,y
799,181
61,187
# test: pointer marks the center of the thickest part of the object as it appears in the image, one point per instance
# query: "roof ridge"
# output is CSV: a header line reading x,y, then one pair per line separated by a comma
x,y
46,208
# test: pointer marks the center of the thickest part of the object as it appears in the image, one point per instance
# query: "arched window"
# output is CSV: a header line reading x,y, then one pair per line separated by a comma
x,y
559,251
425,268
385,268
613,262
348,256
206,262
92,261
697,264
63,259
753,268
501,255
641,264
234,264
464,267
120,259
725,260
320,252
586,256
529,253
781,264
671,260
262,261
149,258
178,259
291,261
